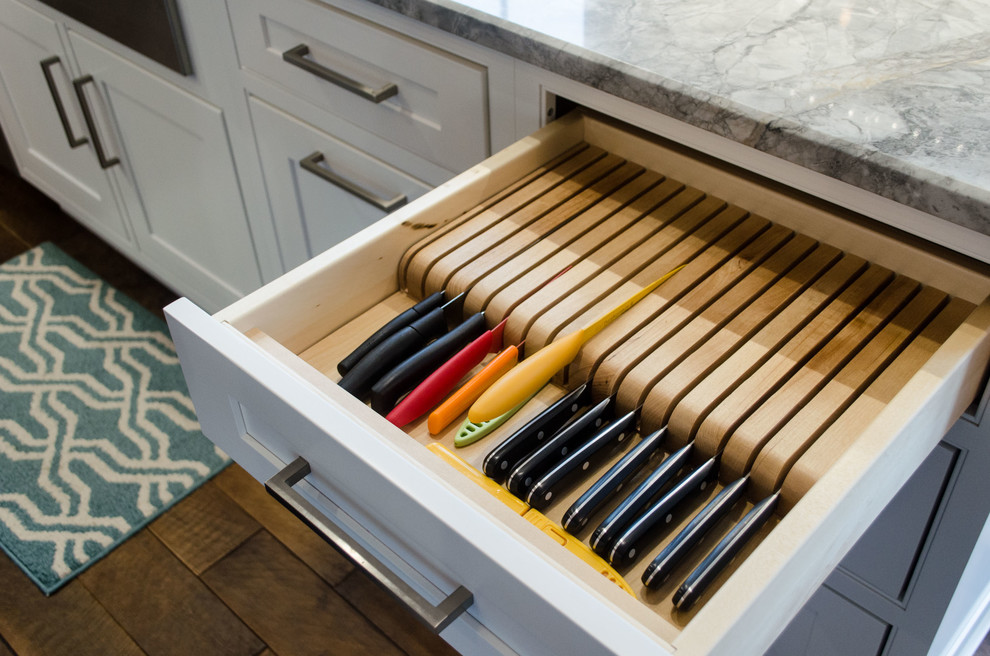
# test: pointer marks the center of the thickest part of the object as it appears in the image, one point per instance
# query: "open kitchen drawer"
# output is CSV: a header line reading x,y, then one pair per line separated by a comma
x,y
261,374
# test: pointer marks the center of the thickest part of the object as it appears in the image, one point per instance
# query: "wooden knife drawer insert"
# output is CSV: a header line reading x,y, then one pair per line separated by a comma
x,y
820,356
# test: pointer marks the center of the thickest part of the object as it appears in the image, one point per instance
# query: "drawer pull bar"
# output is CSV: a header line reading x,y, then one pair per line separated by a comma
x,y
297,57
46,68
101,155
312,164
436,617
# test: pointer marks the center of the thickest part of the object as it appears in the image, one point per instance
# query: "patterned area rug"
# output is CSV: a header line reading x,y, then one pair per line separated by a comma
x,y
97,432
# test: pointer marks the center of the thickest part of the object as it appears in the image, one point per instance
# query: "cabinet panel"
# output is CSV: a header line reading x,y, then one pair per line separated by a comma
x,y
830,625
176,174
70,175
311,213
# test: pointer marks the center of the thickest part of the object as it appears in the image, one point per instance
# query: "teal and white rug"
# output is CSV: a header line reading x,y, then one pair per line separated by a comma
x,y
97,432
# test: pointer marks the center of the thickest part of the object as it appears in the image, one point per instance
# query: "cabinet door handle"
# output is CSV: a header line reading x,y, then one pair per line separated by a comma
x,y
79,83
46,69
436,617
311,163
297,57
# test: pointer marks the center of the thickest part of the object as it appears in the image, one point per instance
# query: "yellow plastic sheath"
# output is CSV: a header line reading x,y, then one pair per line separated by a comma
x,y
576,547
526,378
517,505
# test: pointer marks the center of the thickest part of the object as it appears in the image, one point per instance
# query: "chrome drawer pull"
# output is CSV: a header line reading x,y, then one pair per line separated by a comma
x,y
436,617
297,57
46,69
312,164
79,83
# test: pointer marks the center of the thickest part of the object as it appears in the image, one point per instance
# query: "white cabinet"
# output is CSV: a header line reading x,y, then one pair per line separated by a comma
x,y
144,163
176,176
44,122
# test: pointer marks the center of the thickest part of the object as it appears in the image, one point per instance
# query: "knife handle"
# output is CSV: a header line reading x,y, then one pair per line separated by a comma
x,y
461,400
658,571
504,457
429,303
636,538
569,470
723,553
432,390
578,515
531,468
400,379
630,507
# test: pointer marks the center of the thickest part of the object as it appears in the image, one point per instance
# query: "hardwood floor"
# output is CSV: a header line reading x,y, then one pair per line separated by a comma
x,y
226,571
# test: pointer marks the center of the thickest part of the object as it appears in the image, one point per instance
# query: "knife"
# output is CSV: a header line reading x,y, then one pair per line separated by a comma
x,y
630,507
724,552
400,345
422,308
504,457
572,468
458,402
536,370
570,437
577,516
637,537
658,571
406,375
443,379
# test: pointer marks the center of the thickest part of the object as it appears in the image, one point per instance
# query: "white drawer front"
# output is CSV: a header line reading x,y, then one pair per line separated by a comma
x,y
313,213
438,110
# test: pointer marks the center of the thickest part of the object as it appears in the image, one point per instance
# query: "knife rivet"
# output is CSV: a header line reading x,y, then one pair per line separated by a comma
x,y
670,516
504,465
528,481
563,451
632,553
585,466
704,484
548,495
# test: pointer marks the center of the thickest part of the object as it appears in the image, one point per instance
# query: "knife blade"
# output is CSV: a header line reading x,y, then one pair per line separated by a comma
x,y
614,524
504,457
572,468
611,483
568,438
653,520
421,309
400,345
403,377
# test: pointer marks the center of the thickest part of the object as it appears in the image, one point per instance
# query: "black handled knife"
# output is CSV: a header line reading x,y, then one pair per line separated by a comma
x,y
658,571
634,540
616,522
570,437
409,373
400,345
421,309
612,482
723,553
504,457
572,468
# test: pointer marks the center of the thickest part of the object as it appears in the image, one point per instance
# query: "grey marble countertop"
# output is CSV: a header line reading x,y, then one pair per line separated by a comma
x,y
892,96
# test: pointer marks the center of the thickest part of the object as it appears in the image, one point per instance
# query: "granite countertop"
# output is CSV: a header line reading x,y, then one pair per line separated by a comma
x,y
892,96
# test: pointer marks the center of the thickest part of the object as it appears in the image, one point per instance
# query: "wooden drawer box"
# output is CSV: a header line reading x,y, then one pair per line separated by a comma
x,y
269,397
427,101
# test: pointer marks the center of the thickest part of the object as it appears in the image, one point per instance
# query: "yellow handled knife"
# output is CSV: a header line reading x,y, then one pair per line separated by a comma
x,y
527,377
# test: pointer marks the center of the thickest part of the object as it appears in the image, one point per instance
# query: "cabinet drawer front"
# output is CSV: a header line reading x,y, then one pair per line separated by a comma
x,y
310,212
528,590
438,104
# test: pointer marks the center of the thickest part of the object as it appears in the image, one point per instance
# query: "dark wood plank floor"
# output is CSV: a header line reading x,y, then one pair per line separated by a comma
x,y
226,571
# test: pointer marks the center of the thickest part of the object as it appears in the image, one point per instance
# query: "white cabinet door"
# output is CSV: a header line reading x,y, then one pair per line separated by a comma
x,y
322,190
176,174
44,123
